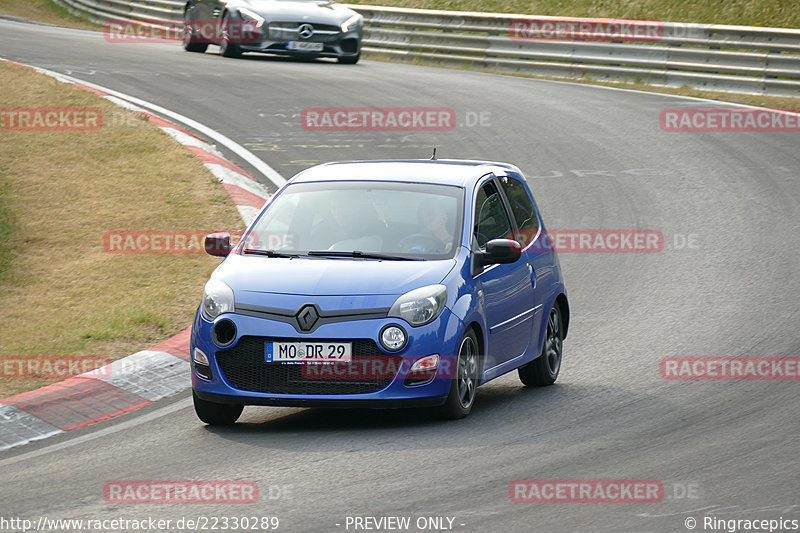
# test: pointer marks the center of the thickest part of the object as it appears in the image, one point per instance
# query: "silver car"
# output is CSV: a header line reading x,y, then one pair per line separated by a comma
x,y
301,28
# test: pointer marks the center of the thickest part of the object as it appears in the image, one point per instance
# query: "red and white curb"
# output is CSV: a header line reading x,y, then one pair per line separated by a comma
x,y
144,377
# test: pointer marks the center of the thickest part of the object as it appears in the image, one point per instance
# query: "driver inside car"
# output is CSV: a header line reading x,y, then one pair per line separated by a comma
x,y
434,234
352,223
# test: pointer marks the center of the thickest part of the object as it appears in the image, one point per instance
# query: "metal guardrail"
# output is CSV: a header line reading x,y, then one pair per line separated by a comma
x,y
739,59
155,13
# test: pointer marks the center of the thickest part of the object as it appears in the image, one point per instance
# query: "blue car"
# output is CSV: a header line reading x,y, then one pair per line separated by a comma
x,y
381,284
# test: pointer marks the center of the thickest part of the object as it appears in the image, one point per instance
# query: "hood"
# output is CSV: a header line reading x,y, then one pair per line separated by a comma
x,y
289,11
249,276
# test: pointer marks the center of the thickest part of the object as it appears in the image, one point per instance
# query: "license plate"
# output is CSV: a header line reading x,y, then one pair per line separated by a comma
x,y
304,46
308,351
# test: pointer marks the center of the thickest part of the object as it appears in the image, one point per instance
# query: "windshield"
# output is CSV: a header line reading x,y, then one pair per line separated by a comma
x,y
387,220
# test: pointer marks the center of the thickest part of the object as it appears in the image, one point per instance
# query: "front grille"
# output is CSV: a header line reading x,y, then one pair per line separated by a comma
x,y
288,31
245,368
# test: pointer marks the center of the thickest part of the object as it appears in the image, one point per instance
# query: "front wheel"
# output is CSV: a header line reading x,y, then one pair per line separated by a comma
x,y
464,382
191,43
216,414
227,47
543,370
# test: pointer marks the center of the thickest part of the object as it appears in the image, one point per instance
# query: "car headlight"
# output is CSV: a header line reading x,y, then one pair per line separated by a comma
x,y
351,23
420,306
251,16
217,299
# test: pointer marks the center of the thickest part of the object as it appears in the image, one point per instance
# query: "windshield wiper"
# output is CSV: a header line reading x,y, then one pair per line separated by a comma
x,y
359,254
268,253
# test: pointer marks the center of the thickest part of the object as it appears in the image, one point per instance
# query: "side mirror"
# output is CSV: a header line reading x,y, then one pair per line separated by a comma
x,y
218,244
499,251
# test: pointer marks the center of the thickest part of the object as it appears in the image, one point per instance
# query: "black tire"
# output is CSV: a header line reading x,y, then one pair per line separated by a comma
x,y
190,40
349,60
544,370
465,379
216,414
226,47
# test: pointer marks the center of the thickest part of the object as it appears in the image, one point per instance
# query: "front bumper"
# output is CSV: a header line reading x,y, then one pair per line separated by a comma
x,y
327,404
239,372
338,45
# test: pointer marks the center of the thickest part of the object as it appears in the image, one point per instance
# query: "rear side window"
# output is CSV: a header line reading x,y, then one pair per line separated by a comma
x,y
491,220
522,208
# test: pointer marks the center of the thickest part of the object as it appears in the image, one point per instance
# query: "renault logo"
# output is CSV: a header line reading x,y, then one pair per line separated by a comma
x,y
307,317
305,31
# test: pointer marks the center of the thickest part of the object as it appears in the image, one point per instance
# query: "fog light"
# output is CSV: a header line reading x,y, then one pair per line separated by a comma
x,y
393,338
423,370
426,363
201,366
199,357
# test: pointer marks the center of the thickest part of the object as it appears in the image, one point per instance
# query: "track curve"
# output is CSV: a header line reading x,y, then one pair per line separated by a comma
x,y
595,158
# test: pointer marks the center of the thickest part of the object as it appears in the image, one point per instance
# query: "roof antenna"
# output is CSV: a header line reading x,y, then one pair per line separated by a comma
x,y
433,157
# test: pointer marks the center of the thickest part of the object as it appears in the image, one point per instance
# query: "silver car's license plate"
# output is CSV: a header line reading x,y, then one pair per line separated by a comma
x,y
304,46
308,352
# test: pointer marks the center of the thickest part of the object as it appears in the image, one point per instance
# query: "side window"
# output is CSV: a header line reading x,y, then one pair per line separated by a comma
x,y
491,220
522,208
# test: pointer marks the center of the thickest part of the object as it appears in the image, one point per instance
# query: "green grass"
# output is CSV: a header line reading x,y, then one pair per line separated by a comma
x,y
773,13
7,229
44,11
127,323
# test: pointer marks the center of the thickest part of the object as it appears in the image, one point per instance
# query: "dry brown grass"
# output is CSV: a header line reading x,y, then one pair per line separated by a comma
x,y
62,293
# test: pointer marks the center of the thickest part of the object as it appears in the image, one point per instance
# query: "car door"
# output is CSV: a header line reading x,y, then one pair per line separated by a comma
x,y
506,290
526,223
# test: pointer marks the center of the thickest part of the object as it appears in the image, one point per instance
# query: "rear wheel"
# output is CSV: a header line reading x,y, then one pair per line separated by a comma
x,y
464,382
216,414
190,39
543,370
227,47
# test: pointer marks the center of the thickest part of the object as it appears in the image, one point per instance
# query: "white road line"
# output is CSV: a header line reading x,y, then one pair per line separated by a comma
x,y
158,413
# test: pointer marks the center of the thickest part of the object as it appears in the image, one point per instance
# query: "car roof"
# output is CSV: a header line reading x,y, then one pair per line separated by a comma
x,y
458,172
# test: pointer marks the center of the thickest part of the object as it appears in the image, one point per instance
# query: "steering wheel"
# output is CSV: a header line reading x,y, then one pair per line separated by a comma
x,y
421,242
